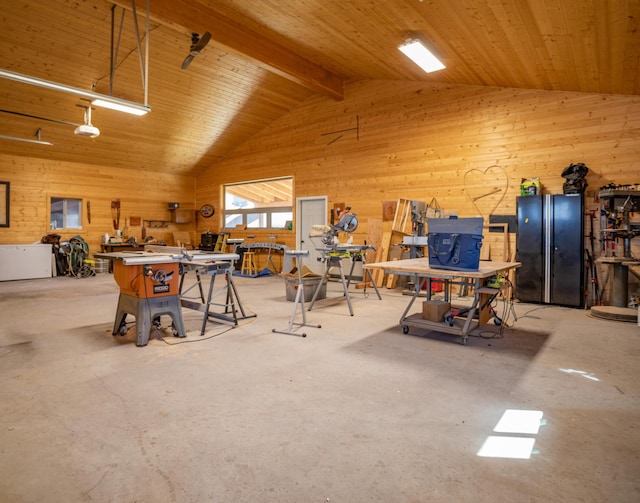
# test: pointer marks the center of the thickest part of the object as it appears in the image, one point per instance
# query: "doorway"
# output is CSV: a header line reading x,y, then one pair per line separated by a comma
x,y
310,211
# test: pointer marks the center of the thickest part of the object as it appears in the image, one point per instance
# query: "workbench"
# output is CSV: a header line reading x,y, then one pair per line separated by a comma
x,y
150,285
478,314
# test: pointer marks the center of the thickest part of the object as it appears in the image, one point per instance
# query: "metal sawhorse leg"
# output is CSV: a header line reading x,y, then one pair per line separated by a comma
x,y
232,302
366,272
333,261
298,254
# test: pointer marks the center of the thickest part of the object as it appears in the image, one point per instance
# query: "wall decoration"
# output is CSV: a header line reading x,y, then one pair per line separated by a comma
x,y
207,210
338,134
4,204
486,188
389,210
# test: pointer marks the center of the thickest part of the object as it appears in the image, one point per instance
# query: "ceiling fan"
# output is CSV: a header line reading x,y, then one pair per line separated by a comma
x,y
197,44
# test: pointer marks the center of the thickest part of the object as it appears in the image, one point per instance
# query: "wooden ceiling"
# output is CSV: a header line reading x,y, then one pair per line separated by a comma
x,y
268,56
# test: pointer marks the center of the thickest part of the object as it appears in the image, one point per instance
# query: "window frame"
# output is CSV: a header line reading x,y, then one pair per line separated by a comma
x,y
64,199
266,212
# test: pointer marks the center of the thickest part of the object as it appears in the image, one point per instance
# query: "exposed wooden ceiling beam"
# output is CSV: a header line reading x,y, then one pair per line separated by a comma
x,y
197,18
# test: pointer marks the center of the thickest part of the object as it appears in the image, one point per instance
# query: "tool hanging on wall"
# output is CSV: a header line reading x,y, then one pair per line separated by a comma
x,y
89,211
115,213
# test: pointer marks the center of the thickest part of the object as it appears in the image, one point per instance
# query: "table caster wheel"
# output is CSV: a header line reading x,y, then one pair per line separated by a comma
x,y
405,329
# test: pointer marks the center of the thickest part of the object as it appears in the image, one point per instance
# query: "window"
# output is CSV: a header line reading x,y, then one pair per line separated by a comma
x,y
65,213
264,204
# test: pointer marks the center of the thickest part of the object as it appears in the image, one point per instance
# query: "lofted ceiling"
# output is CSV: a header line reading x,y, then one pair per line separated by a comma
x,y
266,57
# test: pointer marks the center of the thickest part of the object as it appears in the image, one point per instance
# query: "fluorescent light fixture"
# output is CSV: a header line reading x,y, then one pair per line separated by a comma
x,y
121,106
16,138
115,103
416,51
38,139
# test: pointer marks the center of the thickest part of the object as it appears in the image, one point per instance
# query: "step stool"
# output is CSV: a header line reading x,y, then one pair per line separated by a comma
x,y
248,265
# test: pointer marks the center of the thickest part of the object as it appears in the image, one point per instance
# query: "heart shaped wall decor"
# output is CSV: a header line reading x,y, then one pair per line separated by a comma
x,y
486,188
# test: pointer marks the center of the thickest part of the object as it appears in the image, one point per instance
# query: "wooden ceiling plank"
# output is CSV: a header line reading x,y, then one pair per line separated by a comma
x,y
198,18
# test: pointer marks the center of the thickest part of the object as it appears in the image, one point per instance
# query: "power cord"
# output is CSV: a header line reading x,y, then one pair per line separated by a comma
x,y
185,341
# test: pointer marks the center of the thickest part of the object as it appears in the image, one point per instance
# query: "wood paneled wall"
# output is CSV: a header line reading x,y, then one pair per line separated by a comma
x,y
141,193
468,147
386,140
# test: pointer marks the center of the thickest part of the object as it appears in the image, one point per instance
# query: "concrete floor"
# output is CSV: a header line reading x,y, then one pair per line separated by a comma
x,y
355,412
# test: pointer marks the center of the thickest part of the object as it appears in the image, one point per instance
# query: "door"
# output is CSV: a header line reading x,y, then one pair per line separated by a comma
x,y
310,211
567,253
530,249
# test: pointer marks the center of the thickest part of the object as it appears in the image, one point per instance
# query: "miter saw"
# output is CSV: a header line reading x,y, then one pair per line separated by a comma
x,y
348,223
333,252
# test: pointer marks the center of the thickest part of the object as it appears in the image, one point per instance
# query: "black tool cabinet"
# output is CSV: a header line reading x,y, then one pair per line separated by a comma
x,y
550,247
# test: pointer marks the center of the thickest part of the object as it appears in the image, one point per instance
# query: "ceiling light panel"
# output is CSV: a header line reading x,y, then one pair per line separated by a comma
x,y
416,51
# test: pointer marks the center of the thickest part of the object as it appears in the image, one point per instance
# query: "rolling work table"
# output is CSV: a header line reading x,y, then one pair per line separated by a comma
x,y
150,285
469,318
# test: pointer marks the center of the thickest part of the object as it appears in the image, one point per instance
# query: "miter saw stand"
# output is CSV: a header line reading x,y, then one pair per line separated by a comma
x,y
333,253
299,300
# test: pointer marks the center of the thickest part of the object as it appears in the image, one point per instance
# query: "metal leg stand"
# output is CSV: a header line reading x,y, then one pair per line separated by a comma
x,y
146,311
367,273
333,261
234,299
232,302
299,299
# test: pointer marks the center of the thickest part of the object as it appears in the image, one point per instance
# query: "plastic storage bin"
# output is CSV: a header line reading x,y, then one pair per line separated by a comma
x,y
310,285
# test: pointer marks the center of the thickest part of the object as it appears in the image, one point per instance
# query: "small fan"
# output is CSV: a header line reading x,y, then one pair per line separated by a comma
x,y
197,44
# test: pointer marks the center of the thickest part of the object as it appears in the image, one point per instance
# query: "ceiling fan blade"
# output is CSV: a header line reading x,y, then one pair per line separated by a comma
x,y
198,43
187,62
204,40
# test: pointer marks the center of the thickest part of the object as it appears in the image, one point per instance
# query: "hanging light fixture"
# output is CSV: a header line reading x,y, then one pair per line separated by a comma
x,y
87,129
417,52
38,139
96,98
121,106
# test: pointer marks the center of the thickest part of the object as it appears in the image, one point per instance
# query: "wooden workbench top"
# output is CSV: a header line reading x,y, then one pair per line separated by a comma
x,y
420,266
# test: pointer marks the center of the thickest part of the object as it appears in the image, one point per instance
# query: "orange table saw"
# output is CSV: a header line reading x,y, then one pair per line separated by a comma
x,y
149,284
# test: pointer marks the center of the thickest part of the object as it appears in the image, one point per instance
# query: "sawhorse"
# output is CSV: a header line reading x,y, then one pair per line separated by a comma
x,y
333,259
232,302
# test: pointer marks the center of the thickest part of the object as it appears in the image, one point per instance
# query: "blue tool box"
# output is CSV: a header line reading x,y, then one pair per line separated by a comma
x,y
454,243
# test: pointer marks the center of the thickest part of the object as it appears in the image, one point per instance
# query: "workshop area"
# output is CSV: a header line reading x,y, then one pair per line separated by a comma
x,y
356,411
327,251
